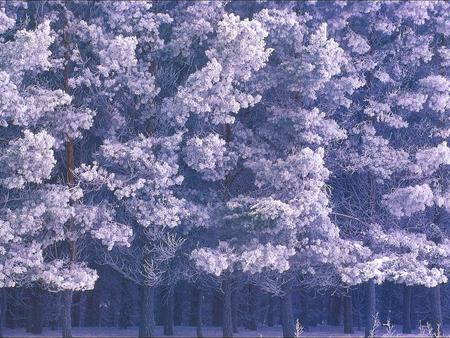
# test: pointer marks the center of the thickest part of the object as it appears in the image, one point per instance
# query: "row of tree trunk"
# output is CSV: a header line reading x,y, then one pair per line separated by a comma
x,y
225,307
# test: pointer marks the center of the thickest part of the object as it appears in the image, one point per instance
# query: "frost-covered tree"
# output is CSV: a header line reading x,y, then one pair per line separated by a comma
x,y
279,221
49,120
282,144
397,51
208,104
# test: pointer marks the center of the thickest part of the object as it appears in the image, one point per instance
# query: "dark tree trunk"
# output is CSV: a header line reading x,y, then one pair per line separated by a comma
x,y
304,314
348,313
414,321
35,311
193,305
436,310
66,315
252,307
234,309
92,308
270,312
178,305
370,307
55,310
76,309
66,320
407,292
82,311
217,308
227,322
168,307
2,310
125,305
147,315
10,307
334,310
28,295
199,317
287,317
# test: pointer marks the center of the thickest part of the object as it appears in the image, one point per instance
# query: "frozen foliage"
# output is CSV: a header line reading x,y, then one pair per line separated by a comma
x,y
214,261
59,276
214,91
28,159
375,155
272,144
429,160
208,155
33,48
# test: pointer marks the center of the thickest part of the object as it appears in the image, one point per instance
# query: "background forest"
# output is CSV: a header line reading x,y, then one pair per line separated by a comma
x,y
238,164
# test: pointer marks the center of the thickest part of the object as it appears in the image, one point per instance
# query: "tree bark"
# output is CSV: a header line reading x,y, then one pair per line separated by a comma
x,y
76,309
270,312
168,306
92,308
2,310
178,297
436,311
252,307
199,317
147,315
68,294
217,308
370,307
66,315
407,292
334,309
227,322
234,309
348,313
287,317
10,307
304,314
35,311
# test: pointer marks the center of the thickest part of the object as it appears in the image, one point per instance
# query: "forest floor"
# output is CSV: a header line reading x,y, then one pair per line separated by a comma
x,y
208,331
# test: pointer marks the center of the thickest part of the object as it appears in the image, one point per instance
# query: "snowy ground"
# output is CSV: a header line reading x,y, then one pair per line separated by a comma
x,y
320,331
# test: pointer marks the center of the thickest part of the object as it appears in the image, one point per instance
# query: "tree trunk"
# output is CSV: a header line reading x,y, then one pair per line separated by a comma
x,y
10,307
270,312
35,311
287,317
227,322
147,315
334,309
348,313
304,314
193,305
28,295
125,305
370,307
199,317
92,317
55,310
168,306
234,309
178,297
76,309
66,315
68,294
2,310
252,307
407,309
436,311
217,308
414,321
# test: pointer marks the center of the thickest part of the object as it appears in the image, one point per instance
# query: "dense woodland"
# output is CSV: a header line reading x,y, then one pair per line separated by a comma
x,y
224,163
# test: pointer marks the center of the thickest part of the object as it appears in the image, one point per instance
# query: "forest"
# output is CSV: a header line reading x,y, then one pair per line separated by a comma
x,y
224,168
